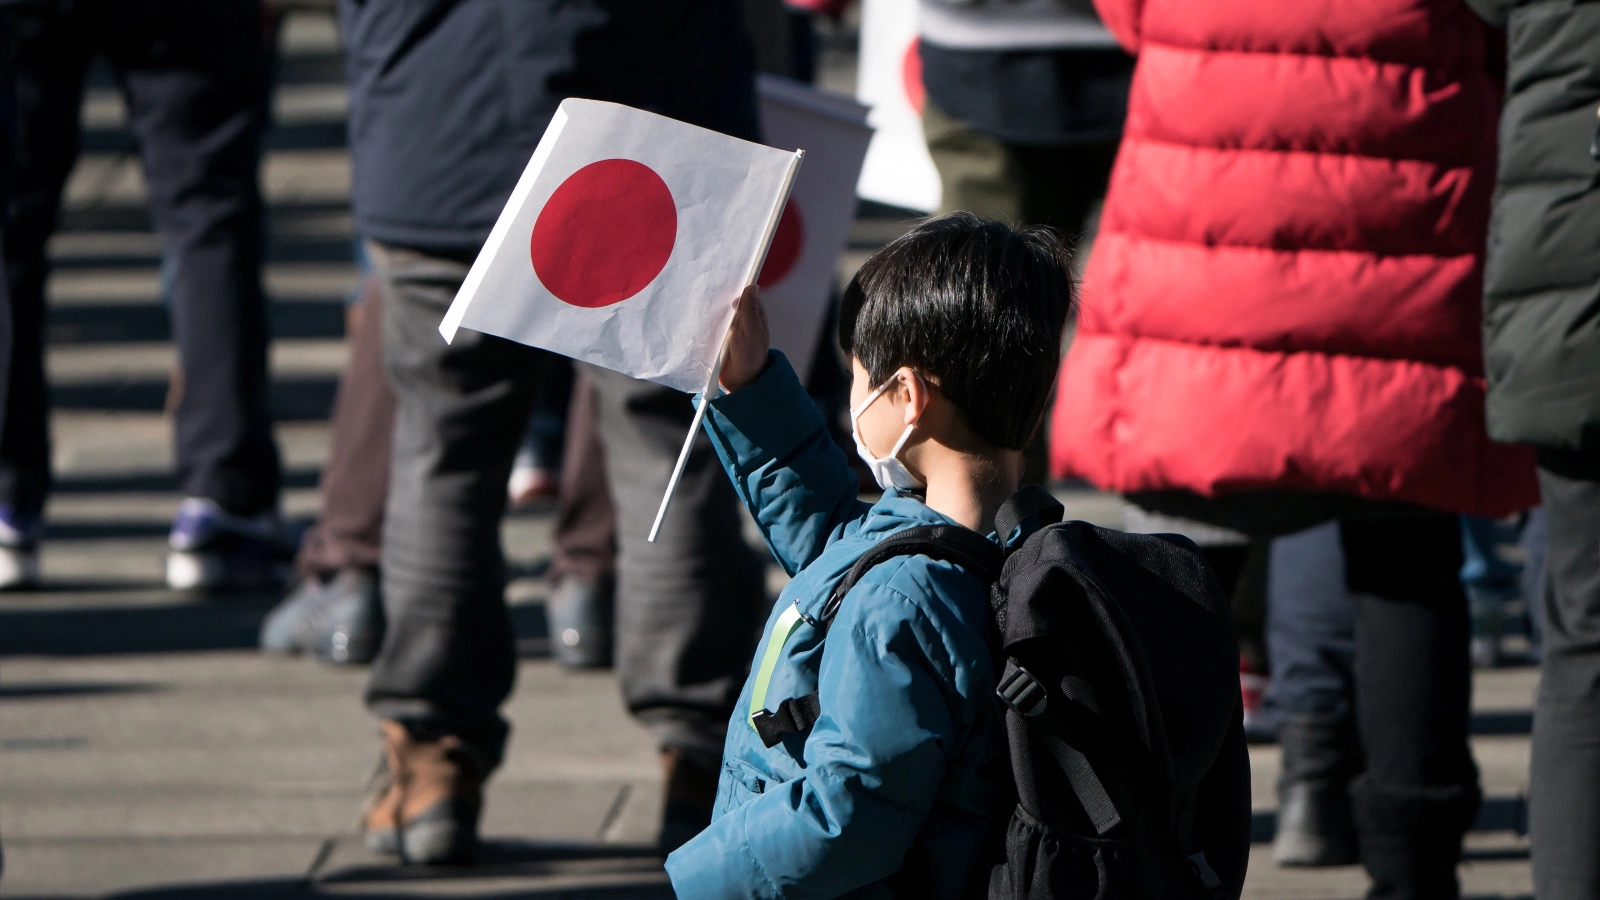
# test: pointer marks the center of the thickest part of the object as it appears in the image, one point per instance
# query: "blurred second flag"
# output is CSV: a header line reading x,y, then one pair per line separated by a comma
x,y
625,242
801,266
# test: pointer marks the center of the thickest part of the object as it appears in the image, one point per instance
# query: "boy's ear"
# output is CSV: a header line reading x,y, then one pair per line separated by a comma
x,y
914,388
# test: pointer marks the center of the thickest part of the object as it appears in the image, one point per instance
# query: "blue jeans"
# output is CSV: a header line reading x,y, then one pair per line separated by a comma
x,y
1310,625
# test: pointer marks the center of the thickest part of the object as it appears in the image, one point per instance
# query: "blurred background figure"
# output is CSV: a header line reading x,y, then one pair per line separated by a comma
x,y
193,74
1503,575
1542,352
435,152
1024,106
1281,327
7,150
7,145
1023,111
334,610
583,572
1310,632
537,470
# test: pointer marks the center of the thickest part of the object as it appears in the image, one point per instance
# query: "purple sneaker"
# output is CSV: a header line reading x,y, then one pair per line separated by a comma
x,y
212,548
19,549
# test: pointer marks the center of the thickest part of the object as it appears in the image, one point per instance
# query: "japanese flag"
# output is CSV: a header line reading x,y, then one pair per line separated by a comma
x,y
797,279
898,171
626,241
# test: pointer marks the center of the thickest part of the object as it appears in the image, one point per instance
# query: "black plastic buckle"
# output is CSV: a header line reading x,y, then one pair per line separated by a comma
x,y
1022,692
772,726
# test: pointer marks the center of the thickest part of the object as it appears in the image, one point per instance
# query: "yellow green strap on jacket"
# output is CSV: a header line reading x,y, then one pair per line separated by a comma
x,y
785,626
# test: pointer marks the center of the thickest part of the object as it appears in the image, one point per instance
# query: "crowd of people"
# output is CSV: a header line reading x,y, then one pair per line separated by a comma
x,y
1338,325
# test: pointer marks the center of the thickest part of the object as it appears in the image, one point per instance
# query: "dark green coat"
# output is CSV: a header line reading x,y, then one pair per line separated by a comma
x,y
1542,284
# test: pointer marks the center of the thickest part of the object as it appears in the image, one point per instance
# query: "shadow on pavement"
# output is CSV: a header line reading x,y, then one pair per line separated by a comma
x,y
151,483
506,870
184,627
230,622
1496,814
1503,722
293,397
263,890
50,690
119,323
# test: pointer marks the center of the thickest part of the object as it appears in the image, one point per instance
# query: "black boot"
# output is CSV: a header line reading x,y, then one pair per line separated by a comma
x,y
1411,838
1316,825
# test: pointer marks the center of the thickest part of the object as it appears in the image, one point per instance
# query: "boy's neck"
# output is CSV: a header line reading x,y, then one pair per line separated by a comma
x,y
969,489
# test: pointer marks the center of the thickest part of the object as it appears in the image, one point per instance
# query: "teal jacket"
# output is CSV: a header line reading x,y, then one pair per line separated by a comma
x,y
906,747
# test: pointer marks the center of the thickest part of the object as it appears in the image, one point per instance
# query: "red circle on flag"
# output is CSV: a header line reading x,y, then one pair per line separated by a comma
x,y
911,75
787,243
605,233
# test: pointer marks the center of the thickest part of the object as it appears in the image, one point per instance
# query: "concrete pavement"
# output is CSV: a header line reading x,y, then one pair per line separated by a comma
x,y
147,751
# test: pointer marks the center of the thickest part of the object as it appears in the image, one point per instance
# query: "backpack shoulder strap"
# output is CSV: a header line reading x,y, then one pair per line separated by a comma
x,y
950,543
1029,500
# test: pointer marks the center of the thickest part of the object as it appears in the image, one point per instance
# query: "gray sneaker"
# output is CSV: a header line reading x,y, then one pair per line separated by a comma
x,y
338,620
281,630
580,616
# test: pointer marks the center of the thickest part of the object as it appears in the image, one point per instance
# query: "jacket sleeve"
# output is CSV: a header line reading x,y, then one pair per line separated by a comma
x,y
1121,18
784,465
873,764
1495,12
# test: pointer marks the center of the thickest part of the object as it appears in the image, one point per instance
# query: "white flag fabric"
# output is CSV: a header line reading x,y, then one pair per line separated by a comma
x,y
898,171
797,279
625,242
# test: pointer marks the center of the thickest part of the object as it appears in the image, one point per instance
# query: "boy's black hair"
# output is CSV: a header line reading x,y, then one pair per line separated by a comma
x,y
974,304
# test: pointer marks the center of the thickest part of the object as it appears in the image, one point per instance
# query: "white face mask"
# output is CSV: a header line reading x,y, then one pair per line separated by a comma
x,y
888,471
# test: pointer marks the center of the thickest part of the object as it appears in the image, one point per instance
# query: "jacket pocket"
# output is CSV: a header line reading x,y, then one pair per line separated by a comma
x,y
738,785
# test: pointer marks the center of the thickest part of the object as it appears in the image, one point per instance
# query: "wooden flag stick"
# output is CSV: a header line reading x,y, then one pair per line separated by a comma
x,y
751,275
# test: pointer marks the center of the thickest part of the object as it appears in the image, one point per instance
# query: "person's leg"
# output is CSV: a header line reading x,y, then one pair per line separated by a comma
x,y
581,608
355,481
51,56
334,610
1419,792
690,605
448,660
1535,543
194,73
1241,569
8,139
1311,639
1564,813
19,565
1311,625
536,475
803,45
978,173
1490,581
1063,186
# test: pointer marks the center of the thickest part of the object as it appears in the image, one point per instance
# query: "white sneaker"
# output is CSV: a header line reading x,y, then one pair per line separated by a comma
x,y
211,548
19,552
19,568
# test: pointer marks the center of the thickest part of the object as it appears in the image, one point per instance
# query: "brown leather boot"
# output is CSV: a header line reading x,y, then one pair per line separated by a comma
x,y
690,789
426,805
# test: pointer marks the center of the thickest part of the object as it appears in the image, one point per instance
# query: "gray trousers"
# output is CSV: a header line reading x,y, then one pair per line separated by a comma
x,y
688,607
1564,788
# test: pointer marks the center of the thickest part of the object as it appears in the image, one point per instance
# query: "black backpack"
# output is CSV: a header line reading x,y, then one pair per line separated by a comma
x,y
1121,702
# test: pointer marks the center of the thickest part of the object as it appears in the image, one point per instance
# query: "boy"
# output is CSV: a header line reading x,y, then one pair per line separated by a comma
x,y
954,333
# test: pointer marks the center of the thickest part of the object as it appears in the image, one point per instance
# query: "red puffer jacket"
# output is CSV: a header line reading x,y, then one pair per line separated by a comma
x,y
1286,287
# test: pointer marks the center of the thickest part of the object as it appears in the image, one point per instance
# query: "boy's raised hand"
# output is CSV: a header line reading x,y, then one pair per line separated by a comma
x,y
747,343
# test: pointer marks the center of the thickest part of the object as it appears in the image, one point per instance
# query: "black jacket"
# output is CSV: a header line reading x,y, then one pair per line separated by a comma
x,y
1542,284
449,97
